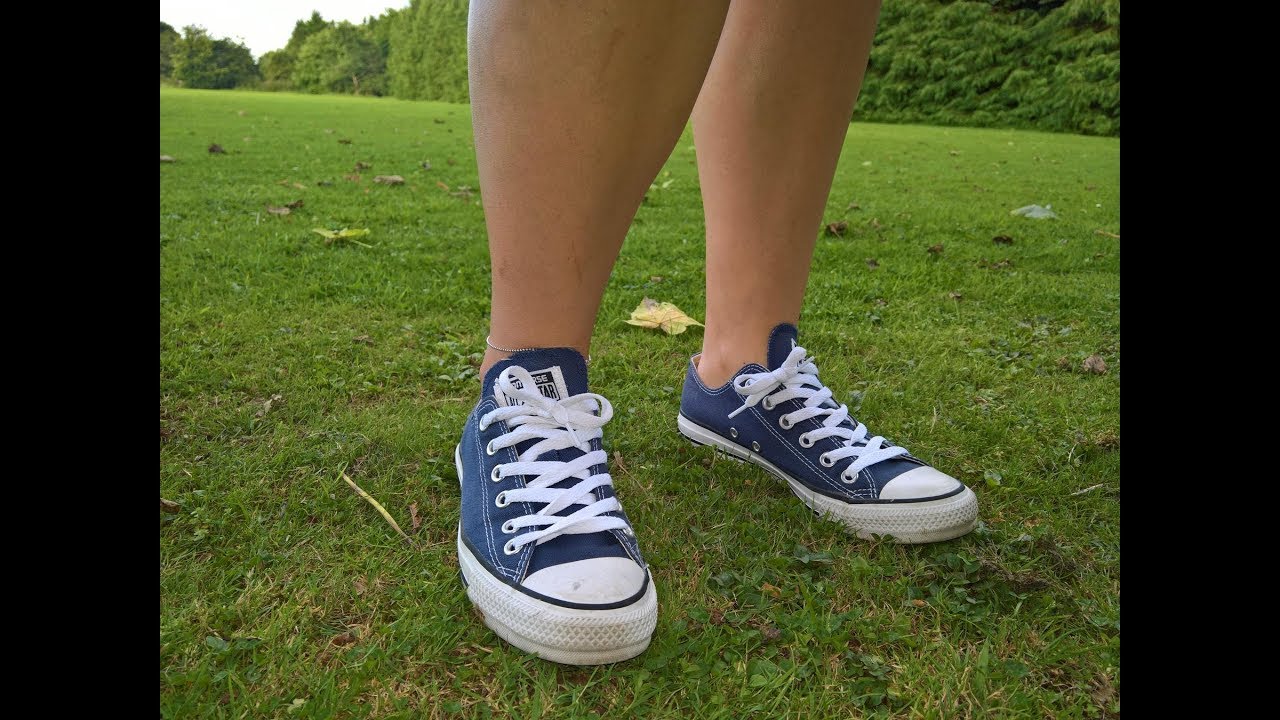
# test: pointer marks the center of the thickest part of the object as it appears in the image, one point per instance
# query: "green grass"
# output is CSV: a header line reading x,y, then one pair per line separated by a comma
x,y
283,594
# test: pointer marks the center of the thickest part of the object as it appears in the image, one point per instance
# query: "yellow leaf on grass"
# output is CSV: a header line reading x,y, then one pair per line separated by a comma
x,y
661,315
343,235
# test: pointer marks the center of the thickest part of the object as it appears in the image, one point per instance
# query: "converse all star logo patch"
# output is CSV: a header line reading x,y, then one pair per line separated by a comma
x,y
550,383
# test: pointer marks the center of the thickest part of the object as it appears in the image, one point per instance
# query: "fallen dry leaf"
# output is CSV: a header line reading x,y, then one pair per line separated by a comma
x,y
661,315
918,602
836,229
717,616
363,339
266,406
442,186
389,179
167,158
278,210
1094,364
169,506
935,249
1002,240
1107,440
955,295
770,632
771,589
871,263
300,186
344,639
294,205
360,586
216,149
414,520
362,165
1104,233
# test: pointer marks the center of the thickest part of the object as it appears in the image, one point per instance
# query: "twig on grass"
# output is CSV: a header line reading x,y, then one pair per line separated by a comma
x,y
1088,489
378,506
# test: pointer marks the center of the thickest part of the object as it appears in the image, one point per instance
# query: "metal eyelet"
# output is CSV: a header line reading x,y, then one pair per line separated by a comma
x,y
806,441
755,446
510,548
846,479
767,403
733,432
508,528
826,460
488,449
784,422
496,475
501,500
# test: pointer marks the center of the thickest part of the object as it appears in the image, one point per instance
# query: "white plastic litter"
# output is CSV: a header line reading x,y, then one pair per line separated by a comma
x,y
1035,212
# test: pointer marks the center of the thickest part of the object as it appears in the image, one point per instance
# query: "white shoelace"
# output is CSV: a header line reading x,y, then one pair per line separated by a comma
x,y
557,425
798,376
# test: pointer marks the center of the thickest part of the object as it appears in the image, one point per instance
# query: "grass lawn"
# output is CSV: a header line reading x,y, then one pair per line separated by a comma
x,y
285,360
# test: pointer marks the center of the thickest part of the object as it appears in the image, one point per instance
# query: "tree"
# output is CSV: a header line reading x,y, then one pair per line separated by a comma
x,y
168,41
344,58
199,61
428,58
277,70
304,29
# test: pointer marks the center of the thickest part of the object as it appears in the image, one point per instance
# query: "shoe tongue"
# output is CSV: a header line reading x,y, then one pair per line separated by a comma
x,y
781,342
557,372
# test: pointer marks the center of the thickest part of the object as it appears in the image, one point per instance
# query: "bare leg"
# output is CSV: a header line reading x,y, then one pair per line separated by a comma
x,y
575,108
769,125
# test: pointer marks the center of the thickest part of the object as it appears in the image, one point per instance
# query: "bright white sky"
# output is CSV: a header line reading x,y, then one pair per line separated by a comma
x,y
264,25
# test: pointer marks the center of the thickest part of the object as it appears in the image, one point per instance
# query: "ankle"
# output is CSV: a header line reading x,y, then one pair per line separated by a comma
x,y
716,369
493,356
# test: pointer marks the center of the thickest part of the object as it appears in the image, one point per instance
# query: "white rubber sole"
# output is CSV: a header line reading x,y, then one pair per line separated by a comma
x,y
908,523
564,635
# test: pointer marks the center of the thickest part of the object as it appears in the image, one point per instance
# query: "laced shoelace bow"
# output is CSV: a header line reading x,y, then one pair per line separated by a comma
x,y
798,378
556,425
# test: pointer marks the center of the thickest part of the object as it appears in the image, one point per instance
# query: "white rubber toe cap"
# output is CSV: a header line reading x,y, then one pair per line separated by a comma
x,y
595,581
923,482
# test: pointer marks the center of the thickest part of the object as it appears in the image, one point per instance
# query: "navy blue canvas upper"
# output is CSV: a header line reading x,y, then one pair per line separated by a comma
x,y
710,408
482,519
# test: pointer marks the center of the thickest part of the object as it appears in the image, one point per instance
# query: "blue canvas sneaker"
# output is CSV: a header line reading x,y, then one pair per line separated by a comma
x,y
547,554
783,419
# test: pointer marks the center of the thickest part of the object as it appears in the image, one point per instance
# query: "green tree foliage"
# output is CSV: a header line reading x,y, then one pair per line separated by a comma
x,y
277,70
428,57
199,61
382,26
278,65
1047,65
168,40
344,58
